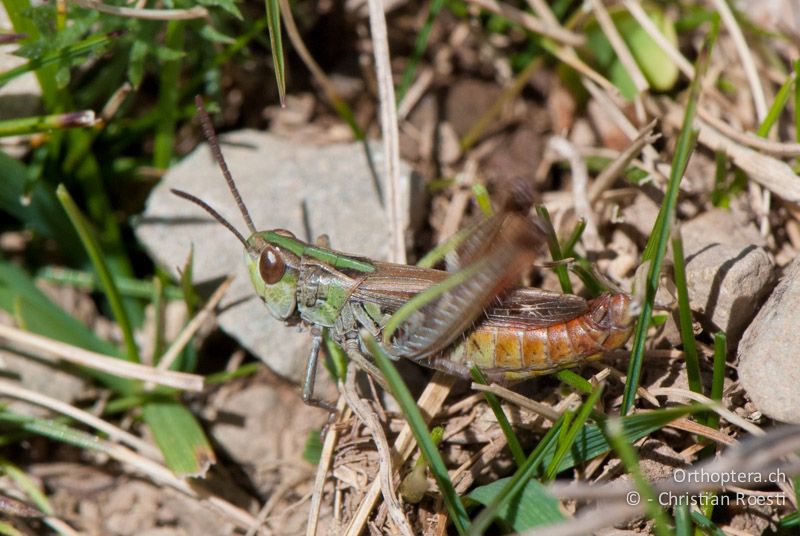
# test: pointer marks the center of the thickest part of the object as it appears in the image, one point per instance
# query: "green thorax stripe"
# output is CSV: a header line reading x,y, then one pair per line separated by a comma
x,y
327,256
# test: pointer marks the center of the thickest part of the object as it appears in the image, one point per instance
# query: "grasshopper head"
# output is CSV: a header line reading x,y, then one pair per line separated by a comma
x,y
274,271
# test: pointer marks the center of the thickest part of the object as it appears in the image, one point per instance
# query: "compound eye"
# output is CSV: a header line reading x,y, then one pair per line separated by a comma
x,y
271,265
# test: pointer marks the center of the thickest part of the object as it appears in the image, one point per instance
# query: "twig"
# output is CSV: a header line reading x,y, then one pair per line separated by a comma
x,y
609,175
385,467
415,93
783,150
580,183
322,468
197,12
522,401
118,367
191,328
620,48
715,406
743,50
389,130
556,33
430,402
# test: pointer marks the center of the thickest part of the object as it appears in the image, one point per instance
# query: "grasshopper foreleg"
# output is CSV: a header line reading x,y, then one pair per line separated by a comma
x,y
311,373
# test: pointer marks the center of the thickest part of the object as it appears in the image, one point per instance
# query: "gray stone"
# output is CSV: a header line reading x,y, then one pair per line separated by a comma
x,y
728,272
769,368
303,188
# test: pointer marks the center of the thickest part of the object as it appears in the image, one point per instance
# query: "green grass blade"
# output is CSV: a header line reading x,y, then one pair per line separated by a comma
x,y
186,449
52,429
36,207
718,380
592,442
576,381
276,44
511,438
420,430
27,485
92,44
532,507
708,526
248,369
428,295
80,279
797,101
482,198
629,458
778,105
567,442
103,273
438,253
685,315
169,83
568,249
683,523
420,44
656,247
46,123
555,250
513,485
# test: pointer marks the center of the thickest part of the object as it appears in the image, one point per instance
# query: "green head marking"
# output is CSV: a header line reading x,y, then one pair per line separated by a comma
x,y
274,270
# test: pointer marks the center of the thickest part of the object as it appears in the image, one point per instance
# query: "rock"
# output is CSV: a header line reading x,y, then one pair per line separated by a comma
x,y
728,271
769,369
246,430
306,189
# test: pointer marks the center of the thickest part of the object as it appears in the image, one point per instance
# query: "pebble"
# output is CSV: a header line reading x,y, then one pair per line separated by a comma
x,y
728,271
769,368
307,189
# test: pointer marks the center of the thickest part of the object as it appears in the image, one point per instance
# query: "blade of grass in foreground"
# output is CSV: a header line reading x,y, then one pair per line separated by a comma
x,y
180,438
656,247
629,458
421,433
103,273
510,487
276,44
685,314
511,438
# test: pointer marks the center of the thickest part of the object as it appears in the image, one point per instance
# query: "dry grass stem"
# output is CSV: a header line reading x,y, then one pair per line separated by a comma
x,y
323,466
389,130
191,328
118,367
417,90
10,389
743,50
520,400
673,392
774,148
620,48
528,21
385,467
197,12
430,403
580,185
612,172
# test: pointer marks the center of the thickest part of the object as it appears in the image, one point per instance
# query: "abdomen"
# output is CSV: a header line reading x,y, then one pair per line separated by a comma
x,y
517,351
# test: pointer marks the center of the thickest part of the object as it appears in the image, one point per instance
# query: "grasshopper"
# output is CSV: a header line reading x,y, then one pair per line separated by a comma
x,y
470,316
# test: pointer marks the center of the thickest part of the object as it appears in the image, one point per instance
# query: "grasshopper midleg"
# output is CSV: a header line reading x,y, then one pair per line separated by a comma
x,y
447,321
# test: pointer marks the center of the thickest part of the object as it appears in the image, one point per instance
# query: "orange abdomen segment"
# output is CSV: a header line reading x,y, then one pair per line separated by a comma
x,y
517,351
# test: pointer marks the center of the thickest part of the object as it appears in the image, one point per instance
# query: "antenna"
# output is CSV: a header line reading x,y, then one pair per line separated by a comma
x,y
216,215
211,136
